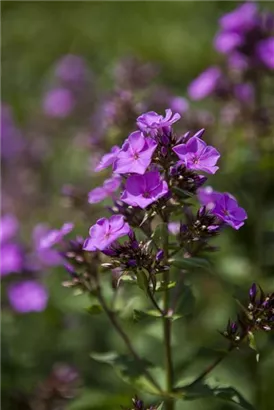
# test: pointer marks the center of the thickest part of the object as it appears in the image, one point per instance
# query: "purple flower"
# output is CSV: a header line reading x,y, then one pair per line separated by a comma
x,y
58,103
196,155
143,190
205,84
174,228
109,187
242,19
12,259
207,196
253,291
225,42
179,104
28,296
265,52
244,92
135,155
106,231
12,142
9,228
227,209
108,159
71,68
45,255
238,61
55,236
151,122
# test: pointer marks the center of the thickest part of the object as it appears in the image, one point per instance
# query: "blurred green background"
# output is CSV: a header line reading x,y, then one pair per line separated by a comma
x,y
178,37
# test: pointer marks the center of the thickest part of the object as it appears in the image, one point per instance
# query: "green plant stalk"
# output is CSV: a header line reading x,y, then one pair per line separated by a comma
x,y
112,317
167,323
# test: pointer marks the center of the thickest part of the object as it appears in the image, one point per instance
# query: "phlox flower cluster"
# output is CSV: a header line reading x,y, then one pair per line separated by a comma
x,y
154,164
246,41
26,292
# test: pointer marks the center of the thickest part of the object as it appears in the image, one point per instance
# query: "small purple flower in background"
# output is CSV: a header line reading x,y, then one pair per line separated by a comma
x,y
143,190
12,142
12,259
151,122
8,228
106,231
196,155
174,228
71,68
135,155
238,61
179,104
109,187
265,52
58,103
225,42
205,84
242,19
28,296
227,209
55,236
244,92
45,255
108,159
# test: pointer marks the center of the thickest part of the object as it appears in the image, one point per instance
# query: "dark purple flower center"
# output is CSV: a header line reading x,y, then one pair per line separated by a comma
x,y
146,195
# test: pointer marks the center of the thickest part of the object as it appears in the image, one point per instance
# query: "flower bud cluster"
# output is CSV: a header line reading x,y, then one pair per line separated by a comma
x,y
132,256
82,266
138,404
257,315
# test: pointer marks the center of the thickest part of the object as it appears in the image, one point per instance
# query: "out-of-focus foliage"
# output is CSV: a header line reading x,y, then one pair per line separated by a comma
x,y
50,350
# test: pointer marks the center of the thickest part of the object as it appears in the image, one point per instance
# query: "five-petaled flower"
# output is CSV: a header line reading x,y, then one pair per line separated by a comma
x,y
227,209
55,236
28,296
196,155
205,84
143,190
109,187
151,122
108,159
135,155
105,232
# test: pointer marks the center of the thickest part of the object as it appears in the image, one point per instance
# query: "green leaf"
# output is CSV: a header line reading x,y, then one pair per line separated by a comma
x,y
186,302
190,263
183,194
142,279
129,369
139,315
252,344
227,393
94,309
159,233
162,286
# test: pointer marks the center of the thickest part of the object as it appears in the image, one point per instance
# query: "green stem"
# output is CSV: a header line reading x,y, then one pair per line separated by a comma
x,y
169,403
212,366
218,360
154,302
112,317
